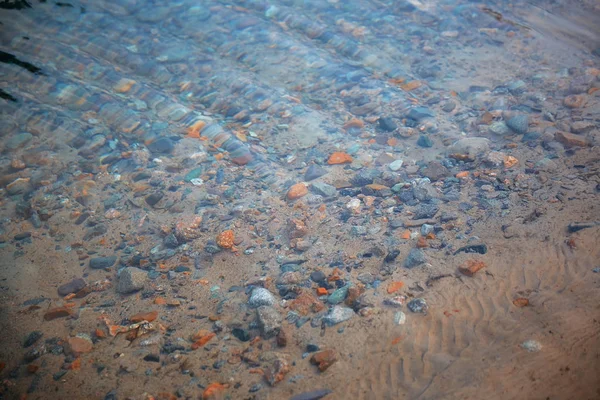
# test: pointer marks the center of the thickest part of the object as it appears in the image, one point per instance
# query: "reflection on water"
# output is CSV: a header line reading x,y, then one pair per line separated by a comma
x,y
257,199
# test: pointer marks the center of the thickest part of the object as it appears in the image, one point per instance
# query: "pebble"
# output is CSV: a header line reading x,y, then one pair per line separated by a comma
x,y
131,279
261,297
419,113
499,128
323,359
470,146
323,189
102,262
425,141
154,198
425,211
338,295
387,124
518,123
415,258
73,286
532,346
338,314
31,338
418,305
162,145
317,276
269,321
313,172
18,140
396,165
399,318
358,230
312,395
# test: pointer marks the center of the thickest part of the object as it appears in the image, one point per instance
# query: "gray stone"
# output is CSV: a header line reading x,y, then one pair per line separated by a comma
x,y
531,345
337,315
261,297
366,277
365,177
425,141
518,123
358,230
426,229
323,189
314,172
338,295
396,165
435,171
131,279
162,145
102,262
470,146
269,321
499,128
516,88
72,287
418,306
18,140
419,113
415,258
425,211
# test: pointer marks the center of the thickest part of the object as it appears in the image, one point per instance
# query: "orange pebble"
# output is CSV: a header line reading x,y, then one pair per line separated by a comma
x,y
160,300
296,191
393,287
148,316
202,341
339,158
405,234
321,291
225,239
100,333
462,174
212,390
354,123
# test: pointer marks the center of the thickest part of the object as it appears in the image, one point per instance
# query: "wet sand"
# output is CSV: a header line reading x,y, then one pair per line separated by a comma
x,y
155,134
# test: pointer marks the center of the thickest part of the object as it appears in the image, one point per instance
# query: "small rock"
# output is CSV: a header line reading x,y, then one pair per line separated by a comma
x,y
269,321
72,287
425,141
338,295
470,147
418,306
323,359
518,123
358,230
387,124
277,371
337,315
396,165
419,113
470,267
425,211
32,338
571,140
297,191
317,276
314,172
531,345
78,345
574,101
435,171
131,279
154,198
57,312
18,140
415,258
323,189
161,145
499,128
399,318
261,297
102,262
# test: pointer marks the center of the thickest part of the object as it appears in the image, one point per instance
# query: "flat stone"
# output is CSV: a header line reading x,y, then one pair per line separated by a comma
x,y
78,345
470,146
314,172
425,211
415,258
161,145
499,128
323,359
18,140
572,140
396,165
338,314
425,141
102,262
154,198
387,124
419,113
418,305
518,123
261,297
72,287
338,295
323,189
131,279
269,321
435,171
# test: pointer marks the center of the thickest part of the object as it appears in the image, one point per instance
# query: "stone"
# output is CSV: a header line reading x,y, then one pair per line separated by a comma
x,y
162,145
16,141
470,147
338,314
418,305
399,318
131,279
365,177
415,258
571,140
470,267
435,171
323,189
188,229
323,359
366,277
261,297
57,312
314,172
419,113
387,124
499,128
317,276
516,88
425,211
277,371
102,262
519,123
582,127
31,338
78,345
449,106
73,286
290,278
338,295
297,191
396,165
574,101
269,321
358,230
154,198
531,346
495,158
425,141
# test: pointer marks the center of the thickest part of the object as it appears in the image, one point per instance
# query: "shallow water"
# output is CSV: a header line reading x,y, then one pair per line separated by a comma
x,y
164,161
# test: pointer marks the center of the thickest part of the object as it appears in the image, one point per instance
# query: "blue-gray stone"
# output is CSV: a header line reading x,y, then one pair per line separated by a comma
x,y
323,189
131,279
516,88
415,258
314,172
425,141
425,211
418,306
161,145
18,140
102,262
419,113
337,315
338,295
518,123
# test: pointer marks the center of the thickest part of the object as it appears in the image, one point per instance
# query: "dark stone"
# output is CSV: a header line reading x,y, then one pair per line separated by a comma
x,y
94,232
154,198
311,348
21,236
473,248
72,287
392,255
102,262
435,171
518,123
365,177
387,124
419,113
171,241
152,358
425,141
162,145
314,172
32,338
425,211
317,276
415,258
449,106
241,334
